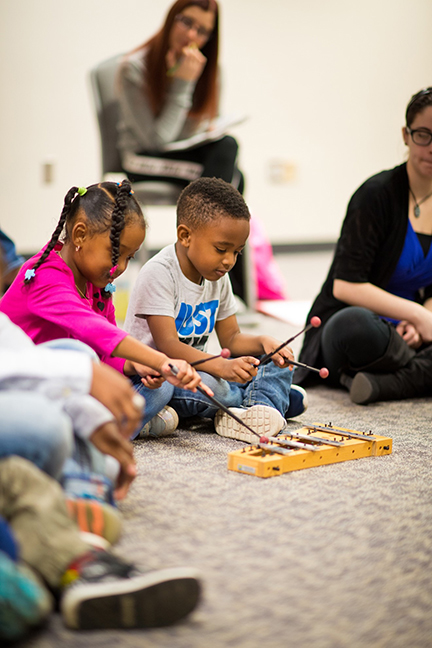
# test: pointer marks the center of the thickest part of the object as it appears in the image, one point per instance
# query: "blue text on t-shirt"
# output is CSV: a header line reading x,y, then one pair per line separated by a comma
x,y
198,322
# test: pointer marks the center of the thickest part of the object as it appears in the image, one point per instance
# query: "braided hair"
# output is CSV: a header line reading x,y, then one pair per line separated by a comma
x,y
107,206
58,230
118,218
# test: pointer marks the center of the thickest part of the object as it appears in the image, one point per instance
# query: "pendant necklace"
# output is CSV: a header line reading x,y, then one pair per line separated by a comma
x,y
417,204
81,292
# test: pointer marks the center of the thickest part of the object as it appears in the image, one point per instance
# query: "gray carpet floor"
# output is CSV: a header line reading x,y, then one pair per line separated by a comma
x,y
338,556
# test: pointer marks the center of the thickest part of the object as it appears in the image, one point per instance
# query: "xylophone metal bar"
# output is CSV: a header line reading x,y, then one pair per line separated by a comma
x,y
274,448
292,444
339,432
309,437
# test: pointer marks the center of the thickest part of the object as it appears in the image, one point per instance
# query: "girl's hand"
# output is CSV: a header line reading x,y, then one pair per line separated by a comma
x,y
190,65
240,370
409,333
185,375
283,357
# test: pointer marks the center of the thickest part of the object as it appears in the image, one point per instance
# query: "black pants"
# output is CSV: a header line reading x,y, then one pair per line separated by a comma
x,y
353,338
218,160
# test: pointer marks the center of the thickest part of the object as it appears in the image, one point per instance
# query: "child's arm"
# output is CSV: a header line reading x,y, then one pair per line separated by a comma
x,y
141,354
230,336
165,336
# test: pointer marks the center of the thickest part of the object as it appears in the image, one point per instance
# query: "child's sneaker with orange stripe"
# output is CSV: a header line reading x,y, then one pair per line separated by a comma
x,y
95,517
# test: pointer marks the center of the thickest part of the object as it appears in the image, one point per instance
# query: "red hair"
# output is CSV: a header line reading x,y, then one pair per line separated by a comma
x,y
205,97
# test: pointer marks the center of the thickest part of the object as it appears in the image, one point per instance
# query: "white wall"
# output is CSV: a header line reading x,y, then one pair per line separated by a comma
x,y
325,84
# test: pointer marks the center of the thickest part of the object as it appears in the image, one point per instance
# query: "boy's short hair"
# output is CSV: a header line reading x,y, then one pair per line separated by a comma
x,y
206,199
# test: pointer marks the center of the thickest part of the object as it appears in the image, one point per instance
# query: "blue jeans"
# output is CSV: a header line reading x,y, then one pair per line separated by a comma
x,y
11,259
155,399
271,386
84,471
36,428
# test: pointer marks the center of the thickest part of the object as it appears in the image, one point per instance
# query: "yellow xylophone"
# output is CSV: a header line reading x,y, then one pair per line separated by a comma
x,y
307,447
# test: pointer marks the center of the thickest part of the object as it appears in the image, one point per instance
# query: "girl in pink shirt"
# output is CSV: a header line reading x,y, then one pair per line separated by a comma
x,y
65,291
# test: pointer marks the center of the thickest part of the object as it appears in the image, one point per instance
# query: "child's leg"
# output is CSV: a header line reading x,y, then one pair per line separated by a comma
x,y
34,506
155,400
35,428
99,590
264,405
68,344
271,387
24,601
89,473
187,403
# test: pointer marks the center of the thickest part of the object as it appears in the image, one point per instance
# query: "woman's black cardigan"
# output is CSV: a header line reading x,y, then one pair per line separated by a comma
x,y
371,241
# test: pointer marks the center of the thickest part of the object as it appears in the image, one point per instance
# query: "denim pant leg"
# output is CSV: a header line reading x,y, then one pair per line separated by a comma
x,y
69,344
155,400
271,386
87,462
35,428
187,403
10,256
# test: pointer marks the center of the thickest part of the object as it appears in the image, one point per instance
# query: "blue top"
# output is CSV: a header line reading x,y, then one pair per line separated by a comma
x,y
413,270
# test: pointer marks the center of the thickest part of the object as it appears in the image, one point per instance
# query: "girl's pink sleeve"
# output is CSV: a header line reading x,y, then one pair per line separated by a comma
x,y
52,296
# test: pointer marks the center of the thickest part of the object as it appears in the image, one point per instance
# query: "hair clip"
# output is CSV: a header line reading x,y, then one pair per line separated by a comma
x,y
29,274
82,191
113,269
119,184
110,288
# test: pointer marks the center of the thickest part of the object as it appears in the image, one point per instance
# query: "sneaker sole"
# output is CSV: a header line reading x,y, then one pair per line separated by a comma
x,y
152,600
265,420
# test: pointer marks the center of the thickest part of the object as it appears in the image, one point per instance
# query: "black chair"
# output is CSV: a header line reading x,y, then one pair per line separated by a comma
x,y
103,79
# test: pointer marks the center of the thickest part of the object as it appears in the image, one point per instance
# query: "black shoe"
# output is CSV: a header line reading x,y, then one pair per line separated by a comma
x,y
109,593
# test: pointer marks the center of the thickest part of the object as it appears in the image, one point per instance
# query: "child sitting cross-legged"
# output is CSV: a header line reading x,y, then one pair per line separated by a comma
x,y
65,291
184,293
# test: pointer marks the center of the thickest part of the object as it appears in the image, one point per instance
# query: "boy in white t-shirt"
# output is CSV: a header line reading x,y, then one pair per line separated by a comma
x,y
184,293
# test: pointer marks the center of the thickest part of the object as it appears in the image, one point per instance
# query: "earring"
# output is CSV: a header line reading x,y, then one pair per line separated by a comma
x,y
78,248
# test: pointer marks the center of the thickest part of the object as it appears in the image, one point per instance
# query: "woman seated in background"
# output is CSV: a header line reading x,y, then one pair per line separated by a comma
x,y
169,91
376,303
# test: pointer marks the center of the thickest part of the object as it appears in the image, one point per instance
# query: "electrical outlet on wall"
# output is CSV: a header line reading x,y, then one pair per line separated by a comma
x,y
281,171
48,172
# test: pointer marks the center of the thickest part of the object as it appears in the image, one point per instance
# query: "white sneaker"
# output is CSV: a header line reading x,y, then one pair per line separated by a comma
x,y
264,419
164,423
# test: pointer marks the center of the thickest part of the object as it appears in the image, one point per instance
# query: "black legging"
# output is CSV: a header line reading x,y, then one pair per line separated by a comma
x,y
352,339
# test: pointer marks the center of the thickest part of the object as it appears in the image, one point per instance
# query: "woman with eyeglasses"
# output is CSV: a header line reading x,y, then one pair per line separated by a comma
x,y
376,303
168,92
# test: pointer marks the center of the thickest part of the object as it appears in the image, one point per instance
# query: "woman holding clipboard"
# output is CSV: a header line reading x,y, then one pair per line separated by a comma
x,y
169,97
